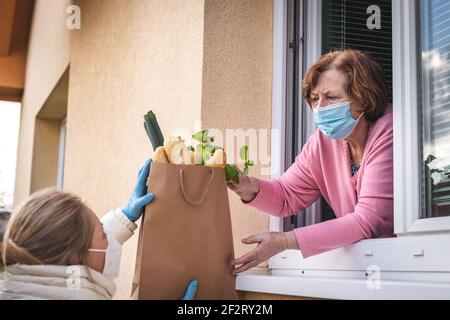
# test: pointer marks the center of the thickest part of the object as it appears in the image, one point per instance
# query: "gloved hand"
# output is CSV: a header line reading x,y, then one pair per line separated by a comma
x,y
140,198
191,290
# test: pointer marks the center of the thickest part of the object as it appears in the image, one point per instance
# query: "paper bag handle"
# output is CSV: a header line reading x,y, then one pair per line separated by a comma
x,y
202,197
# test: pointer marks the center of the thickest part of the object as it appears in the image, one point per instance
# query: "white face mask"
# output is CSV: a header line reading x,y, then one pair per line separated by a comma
x,y
113,255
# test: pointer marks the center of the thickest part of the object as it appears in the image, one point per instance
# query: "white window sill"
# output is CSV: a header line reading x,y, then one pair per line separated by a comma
x,y
340,288
409,267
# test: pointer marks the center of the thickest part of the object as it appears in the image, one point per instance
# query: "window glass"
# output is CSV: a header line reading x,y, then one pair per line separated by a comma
x,y
434,62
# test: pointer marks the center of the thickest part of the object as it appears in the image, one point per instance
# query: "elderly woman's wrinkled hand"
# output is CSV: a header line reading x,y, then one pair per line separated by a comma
x,y
269,244
246,189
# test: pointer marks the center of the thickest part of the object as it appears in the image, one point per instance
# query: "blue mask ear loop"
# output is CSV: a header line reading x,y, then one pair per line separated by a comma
x,y
362,113
357,119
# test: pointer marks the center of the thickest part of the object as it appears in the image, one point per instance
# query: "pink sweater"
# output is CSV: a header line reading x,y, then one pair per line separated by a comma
x,y
363,204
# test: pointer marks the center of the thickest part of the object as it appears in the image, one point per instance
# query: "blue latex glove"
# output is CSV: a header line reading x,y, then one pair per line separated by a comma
x,y
140,198
191,290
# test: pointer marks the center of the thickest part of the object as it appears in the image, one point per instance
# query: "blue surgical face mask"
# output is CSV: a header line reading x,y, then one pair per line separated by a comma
x,y
335,121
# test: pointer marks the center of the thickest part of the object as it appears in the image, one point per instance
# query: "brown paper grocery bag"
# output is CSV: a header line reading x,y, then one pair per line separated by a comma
x,y
185,234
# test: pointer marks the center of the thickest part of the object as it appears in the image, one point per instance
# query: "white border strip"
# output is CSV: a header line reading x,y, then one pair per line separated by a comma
x,y
278,98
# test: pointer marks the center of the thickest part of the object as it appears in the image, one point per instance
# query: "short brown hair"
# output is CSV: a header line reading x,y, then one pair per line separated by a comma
x,y
366,83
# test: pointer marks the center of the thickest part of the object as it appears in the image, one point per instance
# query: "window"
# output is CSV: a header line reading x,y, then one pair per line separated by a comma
x,y
61,155
299,122
434,89
50,138
344,25
9,138
416,263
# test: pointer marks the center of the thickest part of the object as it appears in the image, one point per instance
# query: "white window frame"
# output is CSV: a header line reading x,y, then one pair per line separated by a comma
x,y
416,264
61,155
407,204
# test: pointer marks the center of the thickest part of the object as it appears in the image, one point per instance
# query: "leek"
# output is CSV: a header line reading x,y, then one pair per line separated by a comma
x,y
153,131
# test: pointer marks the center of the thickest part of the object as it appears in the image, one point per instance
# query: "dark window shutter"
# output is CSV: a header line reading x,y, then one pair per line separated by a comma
x,y
344,26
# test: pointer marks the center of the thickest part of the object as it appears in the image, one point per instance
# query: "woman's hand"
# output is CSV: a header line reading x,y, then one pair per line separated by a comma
x,y
246,189
140,198
269,244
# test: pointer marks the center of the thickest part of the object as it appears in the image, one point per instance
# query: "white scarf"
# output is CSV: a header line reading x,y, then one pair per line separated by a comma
x,y
33,282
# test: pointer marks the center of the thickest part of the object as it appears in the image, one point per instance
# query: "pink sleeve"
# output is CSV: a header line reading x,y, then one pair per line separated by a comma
x,y
373,214
295,190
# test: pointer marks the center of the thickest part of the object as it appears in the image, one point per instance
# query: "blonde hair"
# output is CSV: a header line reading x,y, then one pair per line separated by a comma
x,y
52,228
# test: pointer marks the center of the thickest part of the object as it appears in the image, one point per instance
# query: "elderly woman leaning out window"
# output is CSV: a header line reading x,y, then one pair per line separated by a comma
x,y
348,161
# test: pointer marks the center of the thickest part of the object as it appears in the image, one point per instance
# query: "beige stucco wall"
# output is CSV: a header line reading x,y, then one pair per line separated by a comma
x,y
128,57
237,85
48,57
237,94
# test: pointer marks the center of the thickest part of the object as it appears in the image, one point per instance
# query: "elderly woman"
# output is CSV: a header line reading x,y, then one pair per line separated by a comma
x,y
348,161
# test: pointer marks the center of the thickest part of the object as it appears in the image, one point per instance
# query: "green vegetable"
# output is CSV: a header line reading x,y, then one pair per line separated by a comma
x,y
231,173
202,136
207,150
204,147
147,130
247,163
200,148
244,153
153,131
210,149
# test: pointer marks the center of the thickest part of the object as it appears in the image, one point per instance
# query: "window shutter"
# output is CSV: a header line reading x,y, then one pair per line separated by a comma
x,y
345,26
